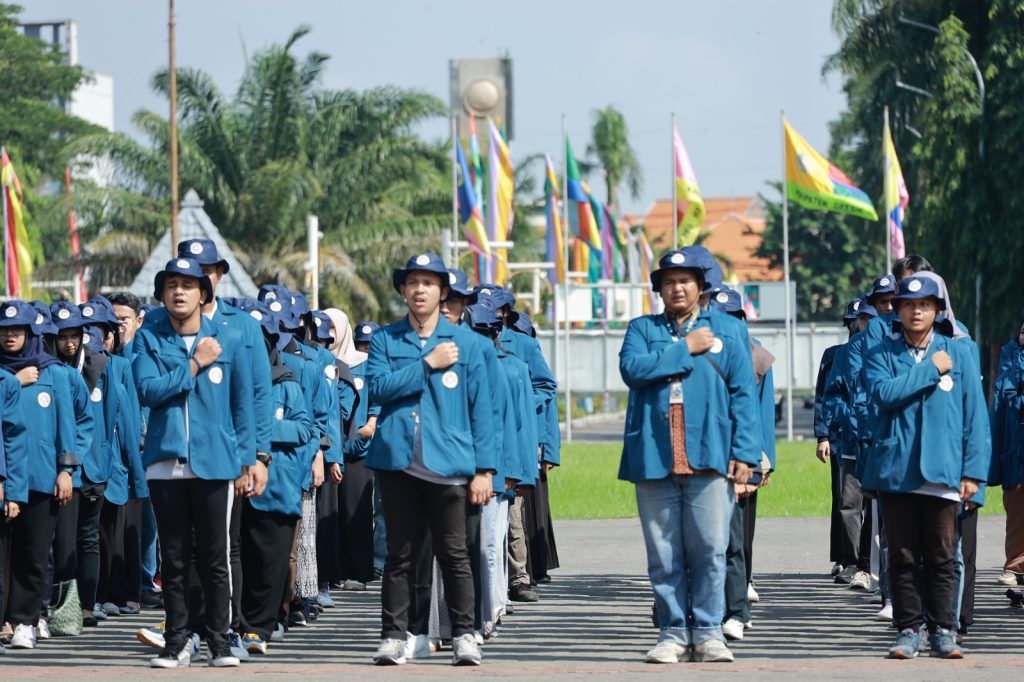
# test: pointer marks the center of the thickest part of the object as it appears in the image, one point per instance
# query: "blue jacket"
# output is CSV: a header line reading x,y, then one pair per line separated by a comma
x,y
544,385
356,447
291,431
821,426
1008,355
521,459
310,377
219,440
766,413
842,392
452,405
330,394
1007,467
48,407
259,368
721,413
14,444
122,416
924,432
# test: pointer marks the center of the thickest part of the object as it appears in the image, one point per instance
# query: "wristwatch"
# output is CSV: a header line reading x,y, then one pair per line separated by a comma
x,y
264,458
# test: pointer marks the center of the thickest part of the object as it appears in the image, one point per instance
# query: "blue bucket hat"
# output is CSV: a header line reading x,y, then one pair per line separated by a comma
x,y
493,295
20,314
364,331
886,284
458,283
279,301
66,315
182,266
272,292
321,322
695,258
98,310
425,262
483,317
258,310
43,323
920,287
728,301
202,251
522,323
851,310
299,305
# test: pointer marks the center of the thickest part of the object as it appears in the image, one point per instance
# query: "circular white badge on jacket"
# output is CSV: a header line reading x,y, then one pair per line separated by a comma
x,y
946,383
43,399
423,260
914,286
450,379
677,258
717,346
87,311
63,313
358,381
331,371
216,375
722,297
96,395
196,248
279,414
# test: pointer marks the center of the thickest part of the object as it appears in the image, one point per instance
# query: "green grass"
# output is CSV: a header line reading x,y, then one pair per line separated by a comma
x,y
586,485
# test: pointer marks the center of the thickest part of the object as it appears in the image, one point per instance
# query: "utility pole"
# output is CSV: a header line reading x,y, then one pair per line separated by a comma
x,y
173,142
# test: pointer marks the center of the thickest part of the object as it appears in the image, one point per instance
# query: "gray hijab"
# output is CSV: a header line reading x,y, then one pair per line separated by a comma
x,y
958,333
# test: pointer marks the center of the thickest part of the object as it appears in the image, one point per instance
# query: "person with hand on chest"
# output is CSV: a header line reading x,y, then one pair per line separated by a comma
x,y
692,432
932,452
196,380
432,451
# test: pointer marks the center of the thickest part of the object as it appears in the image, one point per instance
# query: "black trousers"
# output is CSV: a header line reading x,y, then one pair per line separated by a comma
x,y
542,555
854,525
921,531
328,533
187,509
31,537
737,606
132,589
421,576
406,501
235,539
749,525
89,546
835,552
266,540
65,541
355,503
969,547
112,559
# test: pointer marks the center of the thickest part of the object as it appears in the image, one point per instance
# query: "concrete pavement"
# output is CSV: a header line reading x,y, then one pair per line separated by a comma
x,y
594,620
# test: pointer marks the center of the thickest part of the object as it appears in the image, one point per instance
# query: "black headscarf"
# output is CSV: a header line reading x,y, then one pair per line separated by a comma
x,y
32,354
278,370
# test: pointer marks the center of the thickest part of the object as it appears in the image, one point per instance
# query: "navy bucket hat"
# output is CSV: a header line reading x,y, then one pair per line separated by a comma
x,y
202,251
424,262
187,267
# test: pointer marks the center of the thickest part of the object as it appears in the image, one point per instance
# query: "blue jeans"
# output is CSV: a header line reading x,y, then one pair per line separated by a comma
x,y
148,542
685,520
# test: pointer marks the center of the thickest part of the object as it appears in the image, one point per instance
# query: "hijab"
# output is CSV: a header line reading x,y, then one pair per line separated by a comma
x,y
947,314
32,354
278,370
344,348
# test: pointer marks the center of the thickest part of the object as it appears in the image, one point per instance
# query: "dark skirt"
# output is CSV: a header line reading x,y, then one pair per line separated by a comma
x,y
328,521
355,503
542,555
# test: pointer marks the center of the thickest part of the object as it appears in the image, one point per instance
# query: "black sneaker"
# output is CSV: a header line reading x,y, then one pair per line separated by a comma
x,y
223,658
296,618
523,593
176,657
151,600
90,622
544,579
378,573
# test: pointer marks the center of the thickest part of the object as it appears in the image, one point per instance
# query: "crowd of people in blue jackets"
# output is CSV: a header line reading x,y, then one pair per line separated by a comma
x,y
234,461
901,417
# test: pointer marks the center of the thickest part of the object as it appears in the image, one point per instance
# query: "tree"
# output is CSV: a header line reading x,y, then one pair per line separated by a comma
x,y
618,159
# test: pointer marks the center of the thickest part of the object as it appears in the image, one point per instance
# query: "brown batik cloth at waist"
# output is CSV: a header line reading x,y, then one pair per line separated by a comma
x,y
677,427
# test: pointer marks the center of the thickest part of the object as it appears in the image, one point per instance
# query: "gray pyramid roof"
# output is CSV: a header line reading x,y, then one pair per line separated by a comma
x,y
193,223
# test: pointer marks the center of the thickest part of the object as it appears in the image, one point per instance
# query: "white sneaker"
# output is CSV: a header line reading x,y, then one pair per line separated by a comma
x,y
278,634
861,581
1007,578
884,614
712,651
43,629
390,652
465,650
418,646
479,638
667,651
752,596
836,569
24,637
732,629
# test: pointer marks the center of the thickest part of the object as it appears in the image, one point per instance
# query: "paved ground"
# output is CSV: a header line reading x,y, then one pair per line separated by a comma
x,y
593,620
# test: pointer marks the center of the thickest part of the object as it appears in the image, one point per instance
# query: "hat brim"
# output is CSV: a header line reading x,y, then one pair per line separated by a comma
x,y
657,274
909,296
399,275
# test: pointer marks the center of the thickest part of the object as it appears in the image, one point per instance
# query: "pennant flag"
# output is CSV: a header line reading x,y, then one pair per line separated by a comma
x,y
582,222
469,209
555,240
499,203
17,259
646,267
689,203
814,183
896,195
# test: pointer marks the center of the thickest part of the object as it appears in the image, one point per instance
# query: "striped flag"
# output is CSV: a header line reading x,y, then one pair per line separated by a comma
x,y
689,202
555,239
897,198
17,259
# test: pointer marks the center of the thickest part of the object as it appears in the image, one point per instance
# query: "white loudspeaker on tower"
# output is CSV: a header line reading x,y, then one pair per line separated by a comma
x,y
482,88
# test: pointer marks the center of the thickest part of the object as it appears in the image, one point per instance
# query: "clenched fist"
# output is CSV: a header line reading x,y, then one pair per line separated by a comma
x,y
443,356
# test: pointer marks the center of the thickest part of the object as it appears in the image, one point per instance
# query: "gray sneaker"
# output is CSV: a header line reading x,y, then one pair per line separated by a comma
x,y
667,651
712,651
390,652
465,650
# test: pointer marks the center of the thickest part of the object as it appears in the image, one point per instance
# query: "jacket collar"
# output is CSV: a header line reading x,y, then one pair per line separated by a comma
x,y
444,331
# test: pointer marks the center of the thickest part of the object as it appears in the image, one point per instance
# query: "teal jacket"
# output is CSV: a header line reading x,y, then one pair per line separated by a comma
x,y
1007,467
544,386
720,408
291,430
49,410
220,429
929,428
452,405
521,459
14,443
310,376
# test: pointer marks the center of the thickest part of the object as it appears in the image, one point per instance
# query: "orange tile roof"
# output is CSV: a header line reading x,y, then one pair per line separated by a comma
x,y
735,225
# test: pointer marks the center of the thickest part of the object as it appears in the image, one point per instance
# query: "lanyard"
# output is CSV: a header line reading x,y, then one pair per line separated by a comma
x,y
673,328
919,354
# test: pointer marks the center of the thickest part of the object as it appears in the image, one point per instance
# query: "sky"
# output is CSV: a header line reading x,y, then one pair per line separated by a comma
x,y
726,68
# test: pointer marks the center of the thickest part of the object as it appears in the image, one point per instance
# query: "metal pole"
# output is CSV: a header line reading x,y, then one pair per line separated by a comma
x,y
789,306
567,284
173,141
675,199
885,192
453,257
313,244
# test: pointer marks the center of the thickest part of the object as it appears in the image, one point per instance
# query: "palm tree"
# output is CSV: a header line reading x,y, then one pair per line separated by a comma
x,y
282,147
611,147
